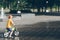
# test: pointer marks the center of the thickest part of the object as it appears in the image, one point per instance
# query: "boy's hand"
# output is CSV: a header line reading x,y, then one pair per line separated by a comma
x,y
14,24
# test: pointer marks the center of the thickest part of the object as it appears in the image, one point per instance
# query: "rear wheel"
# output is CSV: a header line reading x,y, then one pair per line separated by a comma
x,y
6,34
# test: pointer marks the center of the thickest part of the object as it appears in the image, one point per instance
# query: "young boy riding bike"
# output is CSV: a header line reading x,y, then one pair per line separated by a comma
x,y
9,25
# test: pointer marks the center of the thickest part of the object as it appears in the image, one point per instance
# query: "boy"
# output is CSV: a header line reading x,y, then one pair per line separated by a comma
x,y
9,25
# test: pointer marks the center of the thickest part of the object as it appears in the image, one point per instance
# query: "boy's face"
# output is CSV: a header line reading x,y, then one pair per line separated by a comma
x,y
11,16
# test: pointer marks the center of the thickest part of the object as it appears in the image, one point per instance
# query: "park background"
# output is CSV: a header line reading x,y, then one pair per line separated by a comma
x,y
39,19
32,6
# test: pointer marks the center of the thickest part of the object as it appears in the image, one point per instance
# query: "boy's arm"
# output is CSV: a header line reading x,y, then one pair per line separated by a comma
x,y
12,22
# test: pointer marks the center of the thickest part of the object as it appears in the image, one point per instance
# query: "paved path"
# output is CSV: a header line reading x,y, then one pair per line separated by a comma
x,y
29,20
36,28
37,19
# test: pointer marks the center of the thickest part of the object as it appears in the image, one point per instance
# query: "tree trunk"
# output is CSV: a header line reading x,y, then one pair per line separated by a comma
x,y
58,8
50,9
38,10
45,9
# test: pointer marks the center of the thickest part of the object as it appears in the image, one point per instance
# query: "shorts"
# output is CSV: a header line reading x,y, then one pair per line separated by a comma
x,y
9,29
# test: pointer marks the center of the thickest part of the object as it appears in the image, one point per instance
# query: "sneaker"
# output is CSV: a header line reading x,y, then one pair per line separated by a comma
x,y
10,36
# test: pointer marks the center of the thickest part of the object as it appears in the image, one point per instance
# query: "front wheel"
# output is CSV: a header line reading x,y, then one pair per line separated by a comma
x,y
16,33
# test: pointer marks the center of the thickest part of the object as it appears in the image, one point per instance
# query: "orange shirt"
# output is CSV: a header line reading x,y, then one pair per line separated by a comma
x,y
9,23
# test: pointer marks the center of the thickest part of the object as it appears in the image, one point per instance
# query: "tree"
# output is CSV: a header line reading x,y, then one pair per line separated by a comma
x,y
57,2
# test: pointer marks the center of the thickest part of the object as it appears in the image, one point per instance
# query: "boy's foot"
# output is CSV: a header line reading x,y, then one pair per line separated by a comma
x,y
10,36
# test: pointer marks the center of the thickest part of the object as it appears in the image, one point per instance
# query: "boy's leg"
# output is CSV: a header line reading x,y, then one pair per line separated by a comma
x,y
11,34
8,31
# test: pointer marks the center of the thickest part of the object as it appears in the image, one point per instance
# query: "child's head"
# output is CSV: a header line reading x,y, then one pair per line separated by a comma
x,y
10,17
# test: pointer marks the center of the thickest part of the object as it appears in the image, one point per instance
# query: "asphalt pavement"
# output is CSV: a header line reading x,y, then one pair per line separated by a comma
x,y
36,28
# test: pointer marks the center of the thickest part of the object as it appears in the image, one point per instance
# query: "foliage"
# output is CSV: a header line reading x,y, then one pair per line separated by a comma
x,y
13,4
